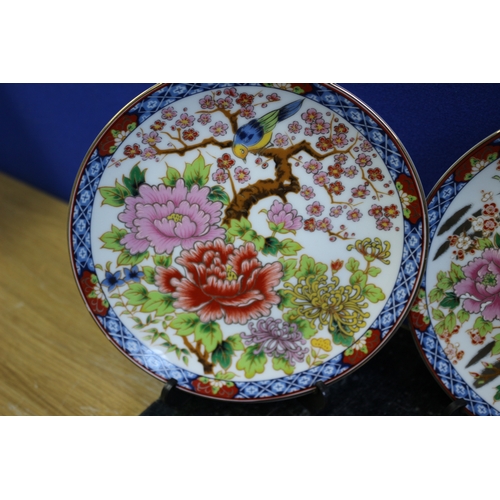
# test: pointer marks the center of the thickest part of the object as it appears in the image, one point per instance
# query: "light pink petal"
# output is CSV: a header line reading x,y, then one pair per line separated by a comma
x,y
133,244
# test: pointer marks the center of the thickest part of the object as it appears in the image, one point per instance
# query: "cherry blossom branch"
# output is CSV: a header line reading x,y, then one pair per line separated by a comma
x,y
189,147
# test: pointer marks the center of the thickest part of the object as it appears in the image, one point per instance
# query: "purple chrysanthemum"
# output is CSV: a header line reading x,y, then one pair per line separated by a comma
x,y
277,338
166,217
284,214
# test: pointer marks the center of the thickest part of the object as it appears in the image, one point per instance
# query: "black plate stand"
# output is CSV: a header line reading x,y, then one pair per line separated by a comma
x,y
173,401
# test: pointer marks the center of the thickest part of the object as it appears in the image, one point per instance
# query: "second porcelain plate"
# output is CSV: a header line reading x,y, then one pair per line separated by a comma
x,y
456,317
248,240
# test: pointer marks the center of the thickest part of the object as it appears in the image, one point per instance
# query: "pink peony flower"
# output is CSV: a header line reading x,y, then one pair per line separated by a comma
x,y
280,213
166,217
481,286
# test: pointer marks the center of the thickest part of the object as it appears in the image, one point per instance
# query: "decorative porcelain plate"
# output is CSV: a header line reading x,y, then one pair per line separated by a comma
x,y
456,317
248,240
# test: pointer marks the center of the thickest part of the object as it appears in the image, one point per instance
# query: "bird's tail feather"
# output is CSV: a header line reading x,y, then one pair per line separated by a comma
x,y
289,110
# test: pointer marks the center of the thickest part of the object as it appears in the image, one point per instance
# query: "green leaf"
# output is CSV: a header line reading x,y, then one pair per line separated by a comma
x,y
259,242
271,246
444,282
286,299
127,259
484,327
149,274
137,177
290,247
250,235
217,193
282,364
436,294
374,271
289,266
172,177
352,265
114,196
450,321
225,376
496,347
463,316
491,157
137,294
162,260
236,343
340,338
112,238
437,314
439,328
159,302
496,397
450,301
196,173
223,354
373,293
252,363
210,335
358,278
484,243
185,323
497,240
303,325
278,228
456,273
309,267
239,227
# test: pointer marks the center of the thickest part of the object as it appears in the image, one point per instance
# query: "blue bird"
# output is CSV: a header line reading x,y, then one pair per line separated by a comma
x,y
255,135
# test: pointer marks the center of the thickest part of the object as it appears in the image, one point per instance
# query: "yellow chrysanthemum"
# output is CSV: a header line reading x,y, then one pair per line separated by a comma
x,y
334,306
373,249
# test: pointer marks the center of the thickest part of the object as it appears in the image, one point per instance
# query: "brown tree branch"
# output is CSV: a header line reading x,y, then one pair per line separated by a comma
x,y
208,368
285,181
189,147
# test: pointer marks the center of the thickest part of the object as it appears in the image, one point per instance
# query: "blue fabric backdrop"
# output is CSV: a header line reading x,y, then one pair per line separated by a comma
x,y
46,129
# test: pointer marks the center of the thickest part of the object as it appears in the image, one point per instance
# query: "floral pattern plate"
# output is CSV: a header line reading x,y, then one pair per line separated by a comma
x,y
248,240
456,316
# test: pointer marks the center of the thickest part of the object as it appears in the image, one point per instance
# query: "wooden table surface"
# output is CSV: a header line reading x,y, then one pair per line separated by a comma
x,y
54,359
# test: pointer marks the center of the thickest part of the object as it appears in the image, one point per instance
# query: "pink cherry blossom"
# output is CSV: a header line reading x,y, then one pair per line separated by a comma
x,y
220,176
354,215
321,178
324,225
207,102
185,121
311,115
242,174
168,113
294,127
315,209
307,192
219,128
313,166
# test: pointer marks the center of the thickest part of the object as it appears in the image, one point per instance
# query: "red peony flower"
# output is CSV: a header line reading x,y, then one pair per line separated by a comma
x,y
222,282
